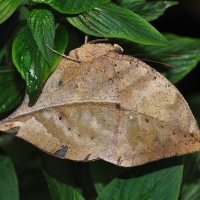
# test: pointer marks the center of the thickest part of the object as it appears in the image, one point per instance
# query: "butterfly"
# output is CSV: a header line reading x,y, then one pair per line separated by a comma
x,y
101,104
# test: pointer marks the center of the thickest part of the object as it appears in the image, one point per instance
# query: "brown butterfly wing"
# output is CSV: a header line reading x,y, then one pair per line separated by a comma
x,y
111,107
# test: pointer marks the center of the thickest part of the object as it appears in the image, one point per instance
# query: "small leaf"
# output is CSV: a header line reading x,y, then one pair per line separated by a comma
x,y
114,21
187,48
12,89
72,6
58,174
149,10
30,61
7,8
8,179
158,180
41,24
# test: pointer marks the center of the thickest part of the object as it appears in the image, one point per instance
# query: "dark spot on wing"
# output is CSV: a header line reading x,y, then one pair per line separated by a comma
x,y
13,131
110,79
61,153
86,158
191,134
118,106
119,161
60,82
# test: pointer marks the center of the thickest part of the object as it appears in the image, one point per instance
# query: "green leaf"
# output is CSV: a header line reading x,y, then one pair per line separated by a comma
x,y
157,180
12,89
59,176
30,63
117,22
41,24
103,172
7,8
29,59
149,10
8,179
187,48
191,181
72,6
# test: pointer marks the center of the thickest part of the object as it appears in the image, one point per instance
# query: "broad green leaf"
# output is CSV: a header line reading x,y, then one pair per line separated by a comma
x,y
8,179
153,181
41,24
191,181
187,48
12,89
103,172
72,6
117,22
7,8
30,61
59,177
149,10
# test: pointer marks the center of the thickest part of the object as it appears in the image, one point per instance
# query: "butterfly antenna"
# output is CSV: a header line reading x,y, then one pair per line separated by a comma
x,y
170,55
64,56
168,65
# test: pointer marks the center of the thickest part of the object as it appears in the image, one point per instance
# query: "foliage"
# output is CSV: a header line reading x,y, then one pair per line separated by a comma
x,y
26,28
